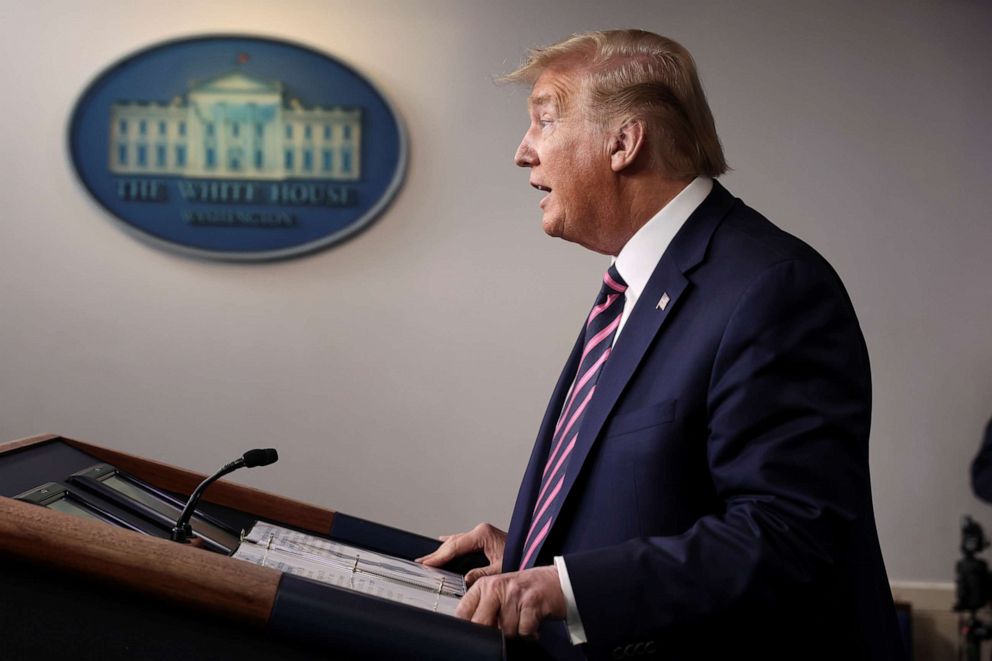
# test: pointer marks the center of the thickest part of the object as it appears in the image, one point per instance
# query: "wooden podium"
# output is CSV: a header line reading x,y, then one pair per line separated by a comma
x,y
82,589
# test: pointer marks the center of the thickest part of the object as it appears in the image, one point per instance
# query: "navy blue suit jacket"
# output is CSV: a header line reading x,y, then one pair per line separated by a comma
x,y
718,497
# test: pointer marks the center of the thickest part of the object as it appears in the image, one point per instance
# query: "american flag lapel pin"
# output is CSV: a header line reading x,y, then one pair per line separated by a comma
x,y
663,302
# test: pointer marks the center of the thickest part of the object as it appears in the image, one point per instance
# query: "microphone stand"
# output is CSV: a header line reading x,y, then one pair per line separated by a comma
x,y
183,531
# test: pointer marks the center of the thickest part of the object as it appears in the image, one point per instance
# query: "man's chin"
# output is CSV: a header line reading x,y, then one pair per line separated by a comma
x,y
557,230
553,227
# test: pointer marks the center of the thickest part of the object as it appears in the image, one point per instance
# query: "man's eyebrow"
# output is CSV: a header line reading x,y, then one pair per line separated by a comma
x,y
542,100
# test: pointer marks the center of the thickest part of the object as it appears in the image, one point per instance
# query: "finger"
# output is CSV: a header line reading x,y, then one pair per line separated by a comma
x,y
430,556
425,558
455,546
488,608
529,622
449,550
467,604
479,572
509,620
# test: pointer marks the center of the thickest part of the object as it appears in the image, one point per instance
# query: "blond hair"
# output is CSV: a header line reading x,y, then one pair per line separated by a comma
x,y
633,74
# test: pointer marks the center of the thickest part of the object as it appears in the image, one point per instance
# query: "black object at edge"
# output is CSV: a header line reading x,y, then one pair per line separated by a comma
x,y
358,626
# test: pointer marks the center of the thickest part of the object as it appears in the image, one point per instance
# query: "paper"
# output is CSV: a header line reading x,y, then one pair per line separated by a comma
x,y
352,568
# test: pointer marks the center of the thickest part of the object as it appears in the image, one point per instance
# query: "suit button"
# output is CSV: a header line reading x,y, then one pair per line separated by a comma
x,y
618,653
650,647
628,651
639,649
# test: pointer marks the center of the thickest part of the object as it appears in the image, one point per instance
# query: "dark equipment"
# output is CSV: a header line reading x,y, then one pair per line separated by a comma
x,y
973,587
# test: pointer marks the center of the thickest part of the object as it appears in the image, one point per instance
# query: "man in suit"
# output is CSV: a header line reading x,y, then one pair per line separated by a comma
x,y
699,486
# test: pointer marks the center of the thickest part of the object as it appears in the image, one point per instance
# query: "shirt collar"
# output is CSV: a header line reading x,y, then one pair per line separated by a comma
x,y
639,257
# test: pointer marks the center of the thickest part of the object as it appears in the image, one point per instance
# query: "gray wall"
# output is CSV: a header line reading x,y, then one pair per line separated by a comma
x,y
389,370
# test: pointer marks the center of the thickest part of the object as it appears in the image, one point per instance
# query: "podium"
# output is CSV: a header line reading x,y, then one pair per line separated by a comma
x,y
83,589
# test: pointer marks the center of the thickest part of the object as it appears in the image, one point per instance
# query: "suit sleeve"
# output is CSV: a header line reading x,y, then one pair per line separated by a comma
x,y
981,468
786,429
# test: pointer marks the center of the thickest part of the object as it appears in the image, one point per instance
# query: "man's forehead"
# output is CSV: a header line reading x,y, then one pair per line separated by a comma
x,y
553,88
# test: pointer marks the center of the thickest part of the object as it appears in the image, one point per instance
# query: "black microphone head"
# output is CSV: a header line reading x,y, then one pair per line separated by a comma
x,y
260,457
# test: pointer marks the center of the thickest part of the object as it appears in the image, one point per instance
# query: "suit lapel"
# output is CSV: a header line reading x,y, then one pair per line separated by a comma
x,y
523,509
646,321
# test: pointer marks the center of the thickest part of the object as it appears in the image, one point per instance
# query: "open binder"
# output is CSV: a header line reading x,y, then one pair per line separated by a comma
x,y
85,587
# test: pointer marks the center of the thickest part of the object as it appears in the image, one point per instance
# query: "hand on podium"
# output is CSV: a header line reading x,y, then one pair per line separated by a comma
x,y
484,537
516,602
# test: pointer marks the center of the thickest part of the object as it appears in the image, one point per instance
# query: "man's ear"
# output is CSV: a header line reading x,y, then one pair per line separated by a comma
x,y
626,144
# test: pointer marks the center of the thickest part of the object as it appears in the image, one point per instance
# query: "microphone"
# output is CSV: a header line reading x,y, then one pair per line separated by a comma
x,y
262,457
254,458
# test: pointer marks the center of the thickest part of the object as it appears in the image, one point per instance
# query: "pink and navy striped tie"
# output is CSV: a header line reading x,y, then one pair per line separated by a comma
x,y
600,330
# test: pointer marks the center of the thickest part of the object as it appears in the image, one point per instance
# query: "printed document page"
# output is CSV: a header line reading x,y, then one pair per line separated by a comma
x,y
352,568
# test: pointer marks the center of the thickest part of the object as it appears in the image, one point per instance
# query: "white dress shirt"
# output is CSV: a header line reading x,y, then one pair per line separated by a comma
x,y
636,262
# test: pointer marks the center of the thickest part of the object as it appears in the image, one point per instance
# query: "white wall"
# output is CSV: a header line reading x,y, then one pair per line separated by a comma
x,y
402,375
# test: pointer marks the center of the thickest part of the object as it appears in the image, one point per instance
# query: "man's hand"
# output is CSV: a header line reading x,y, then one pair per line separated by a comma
x,y
483,537
516,601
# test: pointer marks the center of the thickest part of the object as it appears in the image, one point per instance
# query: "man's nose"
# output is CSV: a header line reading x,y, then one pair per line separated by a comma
x,y
526,156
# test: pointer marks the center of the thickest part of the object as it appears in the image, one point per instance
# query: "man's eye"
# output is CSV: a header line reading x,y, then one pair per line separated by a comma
x,y
544,123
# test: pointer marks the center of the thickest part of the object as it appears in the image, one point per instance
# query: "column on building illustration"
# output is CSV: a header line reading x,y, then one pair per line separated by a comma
x,y
235,126
148,138
321,142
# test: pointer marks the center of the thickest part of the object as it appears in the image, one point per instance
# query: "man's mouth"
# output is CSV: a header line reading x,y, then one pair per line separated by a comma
x,y
543,189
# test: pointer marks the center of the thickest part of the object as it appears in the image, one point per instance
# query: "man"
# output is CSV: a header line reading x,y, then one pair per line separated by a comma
x,y
699,486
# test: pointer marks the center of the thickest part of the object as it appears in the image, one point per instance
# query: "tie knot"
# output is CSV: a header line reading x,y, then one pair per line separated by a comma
x,y
612,282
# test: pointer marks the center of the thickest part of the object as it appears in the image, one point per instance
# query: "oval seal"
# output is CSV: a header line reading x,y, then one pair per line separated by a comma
x,y
237,147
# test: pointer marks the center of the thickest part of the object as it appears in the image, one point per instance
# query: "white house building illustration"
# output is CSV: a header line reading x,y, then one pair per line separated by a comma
x,y
236,127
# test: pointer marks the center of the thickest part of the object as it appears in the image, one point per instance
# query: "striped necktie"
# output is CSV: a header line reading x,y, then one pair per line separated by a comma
x,y
599,331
